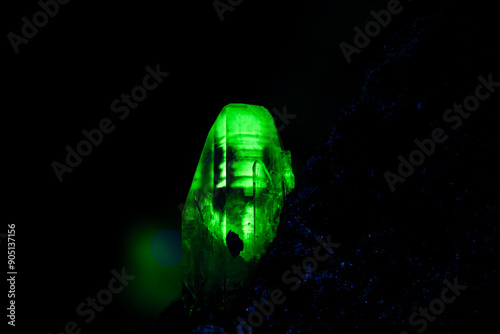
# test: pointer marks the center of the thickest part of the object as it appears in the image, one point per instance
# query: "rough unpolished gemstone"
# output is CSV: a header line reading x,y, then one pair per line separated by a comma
x,y
233,206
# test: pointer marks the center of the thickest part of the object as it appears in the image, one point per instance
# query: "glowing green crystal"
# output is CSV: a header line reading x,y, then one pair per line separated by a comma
x,y
233,206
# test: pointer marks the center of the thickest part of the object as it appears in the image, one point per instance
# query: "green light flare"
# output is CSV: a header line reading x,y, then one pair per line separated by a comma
x,y
156,284
239,185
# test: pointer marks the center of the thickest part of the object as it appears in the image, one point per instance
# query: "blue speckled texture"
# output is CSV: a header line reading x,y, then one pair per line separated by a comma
x,y
398,247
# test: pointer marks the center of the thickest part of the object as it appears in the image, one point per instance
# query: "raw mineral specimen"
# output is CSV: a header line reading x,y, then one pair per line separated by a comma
x,y
233,206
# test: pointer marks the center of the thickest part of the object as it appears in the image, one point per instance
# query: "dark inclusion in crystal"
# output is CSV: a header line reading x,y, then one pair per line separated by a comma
x,y
234,244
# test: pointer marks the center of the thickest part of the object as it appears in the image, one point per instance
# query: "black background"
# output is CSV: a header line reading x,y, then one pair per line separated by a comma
x,y
71,234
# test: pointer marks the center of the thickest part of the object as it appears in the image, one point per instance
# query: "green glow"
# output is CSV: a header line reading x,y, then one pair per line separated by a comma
x,y
239,185
156,285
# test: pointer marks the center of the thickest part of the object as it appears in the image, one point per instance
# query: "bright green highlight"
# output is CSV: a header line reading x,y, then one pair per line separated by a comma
x,y
239,185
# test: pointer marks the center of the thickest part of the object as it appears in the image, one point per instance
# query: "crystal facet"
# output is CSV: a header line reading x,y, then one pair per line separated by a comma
x,y
233,206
